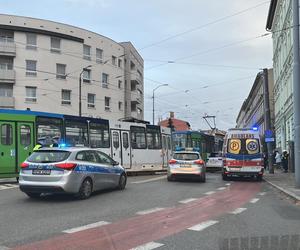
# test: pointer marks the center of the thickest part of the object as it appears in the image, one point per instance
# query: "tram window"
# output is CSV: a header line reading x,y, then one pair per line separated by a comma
x,y
25,135
6,134
153,138
76,133
99,135
125,140
138,137
115,137
49,130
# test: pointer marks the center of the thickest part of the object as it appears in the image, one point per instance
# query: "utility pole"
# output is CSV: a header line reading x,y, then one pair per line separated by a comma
x,y
153,111
267,118
80,86
296,88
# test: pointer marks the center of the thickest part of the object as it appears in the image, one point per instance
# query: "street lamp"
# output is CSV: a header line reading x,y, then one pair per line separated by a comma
x,y
153,99
80,80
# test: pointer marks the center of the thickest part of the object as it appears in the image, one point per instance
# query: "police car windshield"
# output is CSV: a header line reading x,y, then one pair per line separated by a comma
x,y
48,156
186,156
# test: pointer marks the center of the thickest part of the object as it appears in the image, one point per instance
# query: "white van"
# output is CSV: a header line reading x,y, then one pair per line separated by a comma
x,y
242,154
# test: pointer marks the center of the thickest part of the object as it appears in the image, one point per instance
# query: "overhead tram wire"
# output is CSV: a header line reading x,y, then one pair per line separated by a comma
x,y
204,25
210,50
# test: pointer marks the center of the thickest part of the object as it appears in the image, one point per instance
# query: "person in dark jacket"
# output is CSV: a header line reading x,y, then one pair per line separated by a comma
x,y
285,161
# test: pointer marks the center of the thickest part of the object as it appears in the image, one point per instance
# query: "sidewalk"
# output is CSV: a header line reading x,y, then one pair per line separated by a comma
x,y
285,182
8,180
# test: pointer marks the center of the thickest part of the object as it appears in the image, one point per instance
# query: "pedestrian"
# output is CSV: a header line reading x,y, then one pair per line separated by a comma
x,y
285,161
265,161
278,159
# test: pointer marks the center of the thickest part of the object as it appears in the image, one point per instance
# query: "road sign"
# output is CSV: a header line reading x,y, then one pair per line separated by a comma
x,y
269,139
269,133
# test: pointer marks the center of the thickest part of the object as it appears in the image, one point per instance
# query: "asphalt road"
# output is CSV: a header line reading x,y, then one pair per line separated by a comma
x,y
154,214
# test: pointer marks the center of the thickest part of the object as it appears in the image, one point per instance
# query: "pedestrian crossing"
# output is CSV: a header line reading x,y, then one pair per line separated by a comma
x,y
8,186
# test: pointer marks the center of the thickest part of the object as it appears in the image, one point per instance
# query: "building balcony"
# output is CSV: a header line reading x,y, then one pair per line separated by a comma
x,y
136,79
7,102
7,48
7,76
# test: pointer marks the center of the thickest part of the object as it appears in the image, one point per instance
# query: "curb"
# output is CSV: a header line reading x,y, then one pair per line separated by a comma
x,y
295,197
8,181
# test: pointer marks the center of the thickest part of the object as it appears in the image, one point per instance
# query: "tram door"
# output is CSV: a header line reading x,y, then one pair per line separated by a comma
x,y
7,147
25,140
126,152
116,146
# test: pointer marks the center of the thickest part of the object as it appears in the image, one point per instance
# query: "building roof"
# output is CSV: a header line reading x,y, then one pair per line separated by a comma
x,y
179,125
271,14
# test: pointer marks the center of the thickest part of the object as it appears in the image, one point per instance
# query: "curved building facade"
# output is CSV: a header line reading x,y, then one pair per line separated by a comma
x,y
42,64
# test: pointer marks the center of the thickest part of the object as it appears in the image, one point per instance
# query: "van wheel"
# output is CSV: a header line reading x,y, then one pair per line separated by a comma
x,y
170,178
85,190
33,195
122,182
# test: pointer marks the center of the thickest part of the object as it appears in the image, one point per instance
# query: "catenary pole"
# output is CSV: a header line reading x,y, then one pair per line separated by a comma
x,y
267,118
296,88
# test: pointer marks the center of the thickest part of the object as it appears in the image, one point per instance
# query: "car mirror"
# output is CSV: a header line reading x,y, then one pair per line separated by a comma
x,y
115,163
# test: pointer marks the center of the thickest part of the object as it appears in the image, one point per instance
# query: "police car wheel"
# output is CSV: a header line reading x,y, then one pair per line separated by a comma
x,y
33,195
225,177
122,182
85,190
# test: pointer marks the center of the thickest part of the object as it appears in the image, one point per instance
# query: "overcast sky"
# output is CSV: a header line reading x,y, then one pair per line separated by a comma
x,y
217,67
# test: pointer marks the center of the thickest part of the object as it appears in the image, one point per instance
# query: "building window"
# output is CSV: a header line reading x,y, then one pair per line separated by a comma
x,y
107,103
114,60
139,111
120,106
30,68
119,84
132,65
31,41
66,97
60,71
86,52
30,94
105,80
120,63
99,55
91,100
6,90
86,75
55,45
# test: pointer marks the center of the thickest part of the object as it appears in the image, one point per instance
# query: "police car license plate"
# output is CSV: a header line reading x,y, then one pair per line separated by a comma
x,y
185,165
41,171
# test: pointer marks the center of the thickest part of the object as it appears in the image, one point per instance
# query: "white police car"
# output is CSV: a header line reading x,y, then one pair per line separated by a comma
x,y
186,164
78,171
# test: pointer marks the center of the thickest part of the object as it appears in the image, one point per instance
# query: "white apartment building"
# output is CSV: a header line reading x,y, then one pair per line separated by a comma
x,y
279,22
41,63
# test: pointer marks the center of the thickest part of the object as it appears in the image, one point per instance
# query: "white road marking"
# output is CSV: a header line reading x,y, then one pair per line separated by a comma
x,y
254,200
210,192
221,188
149,180
93,225
149,211
187,200
8,186
238,210
148,246
203,225
228,184
4,248
262,193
